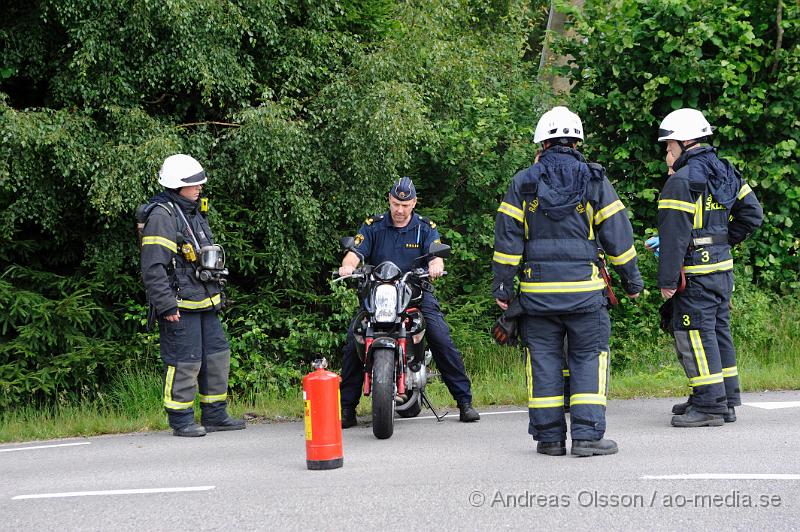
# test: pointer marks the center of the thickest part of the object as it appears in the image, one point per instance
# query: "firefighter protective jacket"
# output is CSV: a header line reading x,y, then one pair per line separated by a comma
x,y
704,209
169,279
553,221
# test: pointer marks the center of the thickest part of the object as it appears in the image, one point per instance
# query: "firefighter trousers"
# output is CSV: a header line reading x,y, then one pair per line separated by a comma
x,y
196,355
703,341
587,336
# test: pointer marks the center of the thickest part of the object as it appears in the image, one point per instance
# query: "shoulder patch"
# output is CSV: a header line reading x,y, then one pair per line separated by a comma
x,y
375,218
428,221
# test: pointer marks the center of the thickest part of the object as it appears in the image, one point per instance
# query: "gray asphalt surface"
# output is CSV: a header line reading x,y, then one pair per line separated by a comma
x,y
429,475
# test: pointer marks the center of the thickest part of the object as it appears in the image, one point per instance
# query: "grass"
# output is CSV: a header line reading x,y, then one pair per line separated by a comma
x,y
766,332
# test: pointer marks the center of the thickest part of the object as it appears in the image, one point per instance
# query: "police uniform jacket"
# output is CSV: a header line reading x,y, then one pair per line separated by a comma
x,y
169,279
704,209
379,240
554,219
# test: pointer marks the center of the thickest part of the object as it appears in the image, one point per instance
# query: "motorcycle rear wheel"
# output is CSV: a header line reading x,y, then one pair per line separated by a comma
x,y
383,387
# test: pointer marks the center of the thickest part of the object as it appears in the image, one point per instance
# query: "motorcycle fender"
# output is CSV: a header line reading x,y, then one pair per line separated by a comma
x,y
386,343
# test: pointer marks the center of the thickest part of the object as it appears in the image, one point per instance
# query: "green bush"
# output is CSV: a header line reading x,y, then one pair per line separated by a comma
x,y
303,113
715,55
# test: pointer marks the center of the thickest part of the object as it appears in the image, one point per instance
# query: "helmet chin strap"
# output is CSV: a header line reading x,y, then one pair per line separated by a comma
x,y
689,144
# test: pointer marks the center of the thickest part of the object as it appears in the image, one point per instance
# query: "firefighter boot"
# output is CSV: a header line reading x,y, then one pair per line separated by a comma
x,y
680,408
593,447
348,417
467,414
192,430
552,448
228,423
693,418
730,415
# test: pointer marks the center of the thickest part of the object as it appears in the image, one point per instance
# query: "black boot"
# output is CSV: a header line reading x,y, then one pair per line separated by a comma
x,y
552,448
693,418
349,418
730,415
467,414
228,423
680,408
594,447
192,430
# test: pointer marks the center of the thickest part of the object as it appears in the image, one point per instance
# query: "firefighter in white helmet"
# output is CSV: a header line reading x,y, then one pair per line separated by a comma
x,y
184,276
704,209
549,228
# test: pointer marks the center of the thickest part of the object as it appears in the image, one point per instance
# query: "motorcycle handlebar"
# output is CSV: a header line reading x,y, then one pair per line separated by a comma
x,y
360,273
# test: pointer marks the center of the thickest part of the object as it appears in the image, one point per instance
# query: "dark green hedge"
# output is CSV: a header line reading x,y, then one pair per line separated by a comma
x,y
303,112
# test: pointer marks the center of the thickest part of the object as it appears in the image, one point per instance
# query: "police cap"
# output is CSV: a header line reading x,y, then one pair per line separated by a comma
x,y
403,189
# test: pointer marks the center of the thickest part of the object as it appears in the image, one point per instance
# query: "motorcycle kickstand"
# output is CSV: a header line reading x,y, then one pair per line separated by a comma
x,y
427,402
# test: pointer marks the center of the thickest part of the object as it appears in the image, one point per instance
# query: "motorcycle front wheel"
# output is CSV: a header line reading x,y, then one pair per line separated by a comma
x,y
383,393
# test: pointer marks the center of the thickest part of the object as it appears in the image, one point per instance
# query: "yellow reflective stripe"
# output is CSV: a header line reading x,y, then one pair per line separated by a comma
x,y
590,215
213,398
730,372
525,220
168,402
587,399
602,373
608,211
709,268
706,379
565,372
510,210
699,352
503,258
678,205
625,257
546,402
204,303
174,405
562,288
744,191
160,241
698,213
529,373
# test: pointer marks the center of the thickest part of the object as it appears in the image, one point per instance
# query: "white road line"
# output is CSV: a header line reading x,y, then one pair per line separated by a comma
x,y
44,446
724,476
773,405
110,492
481,413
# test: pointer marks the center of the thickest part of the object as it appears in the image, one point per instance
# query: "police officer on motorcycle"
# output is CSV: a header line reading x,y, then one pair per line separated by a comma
x,y
550,227
704,209
184,279
402,236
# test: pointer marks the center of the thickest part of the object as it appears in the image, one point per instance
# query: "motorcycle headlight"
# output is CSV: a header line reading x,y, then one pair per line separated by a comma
x,y
385,303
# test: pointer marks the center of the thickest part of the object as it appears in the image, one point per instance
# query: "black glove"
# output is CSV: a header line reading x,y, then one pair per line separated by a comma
x,y
665,312
504,331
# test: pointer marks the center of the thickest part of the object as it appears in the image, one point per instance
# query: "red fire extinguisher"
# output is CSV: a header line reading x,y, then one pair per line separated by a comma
x,y
323,418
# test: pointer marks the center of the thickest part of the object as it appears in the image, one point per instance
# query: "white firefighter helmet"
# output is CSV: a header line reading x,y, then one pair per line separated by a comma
x,y
556,123
181,171
684,124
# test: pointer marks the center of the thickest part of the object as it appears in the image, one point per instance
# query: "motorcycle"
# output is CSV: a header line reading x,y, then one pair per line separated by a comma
x,y
390,337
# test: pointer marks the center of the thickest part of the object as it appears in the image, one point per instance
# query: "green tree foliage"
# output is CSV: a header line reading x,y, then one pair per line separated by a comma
x,y
303,112
641,59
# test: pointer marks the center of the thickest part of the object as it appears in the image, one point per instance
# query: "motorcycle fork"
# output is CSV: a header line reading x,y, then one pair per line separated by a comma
x,y
401,362
367,374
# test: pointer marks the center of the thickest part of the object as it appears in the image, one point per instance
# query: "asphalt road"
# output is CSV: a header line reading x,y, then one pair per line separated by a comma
x,y
429,475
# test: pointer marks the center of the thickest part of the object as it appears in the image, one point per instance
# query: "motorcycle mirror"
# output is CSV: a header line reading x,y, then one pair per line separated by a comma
x,y
437,249
347,243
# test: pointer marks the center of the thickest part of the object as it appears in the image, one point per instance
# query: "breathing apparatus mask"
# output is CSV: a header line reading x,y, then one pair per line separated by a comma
x,y
210,265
